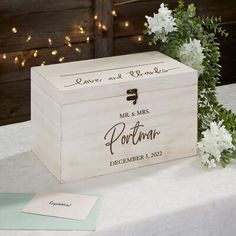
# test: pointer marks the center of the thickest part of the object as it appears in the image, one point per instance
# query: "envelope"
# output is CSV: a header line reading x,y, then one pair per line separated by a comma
x,y
11,217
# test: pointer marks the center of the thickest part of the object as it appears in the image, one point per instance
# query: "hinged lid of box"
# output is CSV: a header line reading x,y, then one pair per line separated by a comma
x,y
111,76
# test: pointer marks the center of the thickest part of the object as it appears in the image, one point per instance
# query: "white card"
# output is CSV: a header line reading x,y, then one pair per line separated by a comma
x,y
64,205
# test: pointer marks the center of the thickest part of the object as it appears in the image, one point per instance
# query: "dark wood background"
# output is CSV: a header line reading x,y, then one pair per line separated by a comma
x,y
57,18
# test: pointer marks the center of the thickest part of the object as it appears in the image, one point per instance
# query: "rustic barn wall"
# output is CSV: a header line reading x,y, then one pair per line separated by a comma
x,y
58,18
41,19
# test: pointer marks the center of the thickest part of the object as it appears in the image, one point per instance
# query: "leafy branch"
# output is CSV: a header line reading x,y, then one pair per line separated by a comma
x,y
205,29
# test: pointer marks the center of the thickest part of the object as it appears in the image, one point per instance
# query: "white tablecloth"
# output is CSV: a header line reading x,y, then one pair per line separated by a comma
x,y
175,198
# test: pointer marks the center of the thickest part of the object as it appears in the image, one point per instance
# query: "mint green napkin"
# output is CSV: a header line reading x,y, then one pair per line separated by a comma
x,y
11,216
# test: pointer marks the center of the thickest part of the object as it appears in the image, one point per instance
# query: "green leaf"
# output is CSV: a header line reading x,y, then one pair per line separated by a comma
x,y
206,29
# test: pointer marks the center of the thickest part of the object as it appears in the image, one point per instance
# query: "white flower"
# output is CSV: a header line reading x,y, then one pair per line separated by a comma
x,y
191,54
209,162
161,23
215,140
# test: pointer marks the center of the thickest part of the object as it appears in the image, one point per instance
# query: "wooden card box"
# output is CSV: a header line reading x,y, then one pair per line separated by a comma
x,y
105,115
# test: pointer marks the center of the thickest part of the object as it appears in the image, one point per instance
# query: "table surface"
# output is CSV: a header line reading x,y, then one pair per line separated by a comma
x,y
173,198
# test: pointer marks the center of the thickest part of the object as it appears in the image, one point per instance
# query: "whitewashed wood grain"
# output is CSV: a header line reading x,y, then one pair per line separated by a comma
x,y
55,74
69,126
173,112
49,109
46,143
50,80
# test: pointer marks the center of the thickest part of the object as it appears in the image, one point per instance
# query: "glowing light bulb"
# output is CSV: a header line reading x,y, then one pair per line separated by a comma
x,y
49,41
54,52
139,38
4,56
14,30
67,38
35,53
23,63
95,17
145,24
77,50
61,59
99,25
16,59
87,39
104,28
113,12
126,24
81,30
28,38
43,63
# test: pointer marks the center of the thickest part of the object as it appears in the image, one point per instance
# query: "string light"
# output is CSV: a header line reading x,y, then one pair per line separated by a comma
x,y
14,30
35,53
145,24
81,29
139,38
28,38
54,52
68,41
67,38
77,50
23,63
99,25
49,41
104,28
61,59
113,12
126,24
16,59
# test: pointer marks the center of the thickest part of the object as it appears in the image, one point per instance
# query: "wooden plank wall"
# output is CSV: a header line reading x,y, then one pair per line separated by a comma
x,y
58,18
41,19
126,40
